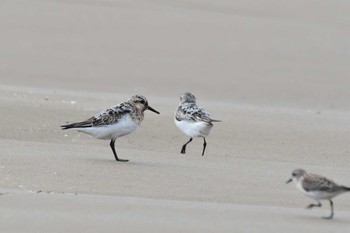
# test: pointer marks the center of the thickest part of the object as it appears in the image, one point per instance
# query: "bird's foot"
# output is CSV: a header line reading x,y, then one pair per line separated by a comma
x,y
123,160
328,217
183,150
313,205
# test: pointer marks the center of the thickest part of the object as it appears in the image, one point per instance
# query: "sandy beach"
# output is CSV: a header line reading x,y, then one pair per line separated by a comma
x,y
276,74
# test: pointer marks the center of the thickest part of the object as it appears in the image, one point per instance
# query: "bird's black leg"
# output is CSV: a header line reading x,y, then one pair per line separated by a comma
x,y
204,146
183,150
314,205
332,212
115,154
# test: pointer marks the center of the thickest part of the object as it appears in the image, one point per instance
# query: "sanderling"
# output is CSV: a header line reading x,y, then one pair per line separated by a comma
x,y
317,187
115,122
193,120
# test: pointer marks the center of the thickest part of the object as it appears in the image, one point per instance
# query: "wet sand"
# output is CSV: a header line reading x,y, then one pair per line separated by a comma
x,y
275,74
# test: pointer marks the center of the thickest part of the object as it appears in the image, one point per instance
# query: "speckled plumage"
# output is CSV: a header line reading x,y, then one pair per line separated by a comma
x,y
191,112
109,117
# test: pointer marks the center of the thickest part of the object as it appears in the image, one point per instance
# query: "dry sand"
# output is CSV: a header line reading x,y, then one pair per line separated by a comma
x,y
275,72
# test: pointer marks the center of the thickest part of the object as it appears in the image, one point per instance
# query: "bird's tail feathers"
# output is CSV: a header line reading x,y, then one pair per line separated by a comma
x,y
68,126
346,189
75,125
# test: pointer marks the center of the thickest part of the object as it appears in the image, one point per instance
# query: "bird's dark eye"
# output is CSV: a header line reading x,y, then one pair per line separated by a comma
x,y
293,174
142,101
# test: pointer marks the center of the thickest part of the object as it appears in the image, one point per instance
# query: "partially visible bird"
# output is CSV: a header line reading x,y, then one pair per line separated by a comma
x,y
317,187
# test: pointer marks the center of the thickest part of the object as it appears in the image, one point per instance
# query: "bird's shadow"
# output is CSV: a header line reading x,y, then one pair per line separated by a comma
x,y
130,163
334,220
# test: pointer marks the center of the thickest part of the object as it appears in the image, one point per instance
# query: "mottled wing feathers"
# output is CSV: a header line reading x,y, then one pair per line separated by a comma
x,y
318,183
108,117
112,115
191,112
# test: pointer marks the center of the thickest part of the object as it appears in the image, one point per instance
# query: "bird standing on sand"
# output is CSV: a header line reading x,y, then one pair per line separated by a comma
x,y
193,120
317,187
114,122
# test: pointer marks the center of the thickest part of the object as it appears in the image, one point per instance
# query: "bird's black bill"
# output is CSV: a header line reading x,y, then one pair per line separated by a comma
x,y
152,109
288,181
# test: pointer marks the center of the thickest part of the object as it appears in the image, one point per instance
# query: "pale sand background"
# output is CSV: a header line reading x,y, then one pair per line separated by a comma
x,y
275,72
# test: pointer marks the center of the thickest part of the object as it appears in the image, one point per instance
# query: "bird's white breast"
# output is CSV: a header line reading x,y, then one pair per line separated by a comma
x,y
194,129
123,127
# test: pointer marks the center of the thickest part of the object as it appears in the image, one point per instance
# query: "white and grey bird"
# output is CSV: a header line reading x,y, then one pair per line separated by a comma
x,y
193,120
114,122
317,187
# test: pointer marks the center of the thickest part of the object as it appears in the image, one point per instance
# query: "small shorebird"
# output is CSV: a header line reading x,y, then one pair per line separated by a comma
x,y
115,122
317,187
193,120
